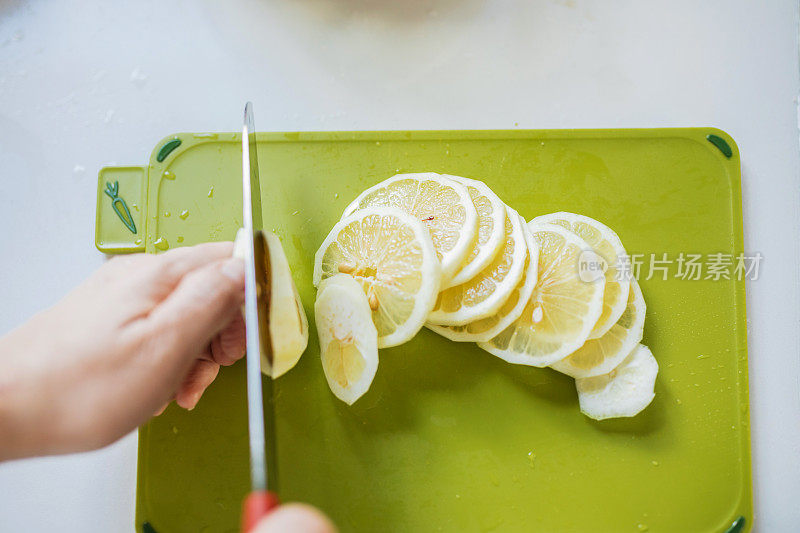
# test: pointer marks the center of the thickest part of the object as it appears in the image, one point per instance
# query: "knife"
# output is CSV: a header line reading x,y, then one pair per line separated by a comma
x,y
261,501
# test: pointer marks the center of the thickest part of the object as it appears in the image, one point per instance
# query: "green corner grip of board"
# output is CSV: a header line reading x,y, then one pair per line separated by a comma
x,y
121,205
720,143
147,528
737,526
167,148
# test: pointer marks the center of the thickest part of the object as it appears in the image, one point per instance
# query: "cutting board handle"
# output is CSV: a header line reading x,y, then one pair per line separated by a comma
x,y
121,210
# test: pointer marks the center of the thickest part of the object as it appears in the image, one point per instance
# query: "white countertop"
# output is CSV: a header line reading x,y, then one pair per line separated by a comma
x,y
83,84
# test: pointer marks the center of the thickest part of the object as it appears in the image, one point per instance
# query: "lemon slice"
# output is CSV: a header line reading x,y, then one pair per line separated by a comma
x,y
606,243
390,253
625,391
443,205
484,329
288,325
348,340
489,241
601,356
483,295
562,310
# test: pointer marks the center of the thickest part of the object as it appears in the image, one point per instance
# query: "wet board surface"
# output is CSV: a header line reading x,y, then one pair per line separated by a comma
x,y
450,438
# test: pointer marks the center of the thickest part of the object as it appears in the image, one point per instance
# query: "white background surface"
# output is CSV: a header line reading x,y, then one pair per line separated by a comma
x,y
83,84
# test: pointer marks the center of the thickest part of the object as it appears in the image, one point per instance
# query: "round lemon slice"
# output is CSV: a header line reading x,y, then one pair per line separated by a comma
x,y
483,295
625,391
348,340
390,253
601,356
484,329
606,243
441,204
489,241
562,310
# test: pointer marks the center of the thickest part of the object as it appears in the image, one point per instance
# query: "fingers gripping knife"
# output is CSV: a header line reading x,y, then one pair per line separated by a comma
x,y
260,501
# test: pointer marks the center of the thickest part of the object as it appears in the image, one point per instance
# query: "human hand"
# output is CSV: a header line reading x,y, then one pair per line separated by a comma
x,y
142,330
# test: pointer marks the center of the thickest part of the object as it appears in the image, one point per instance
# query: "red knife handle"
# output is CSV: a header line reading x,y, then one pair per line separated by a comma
x,y
256,506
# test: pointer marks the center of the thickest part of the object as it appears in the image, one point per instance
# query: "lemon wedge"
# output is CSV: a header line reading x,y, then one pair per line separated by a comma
x,y
441,204
623,392
390,253
348,340
606,243
483,295
491,229
288,325
600,356
562,310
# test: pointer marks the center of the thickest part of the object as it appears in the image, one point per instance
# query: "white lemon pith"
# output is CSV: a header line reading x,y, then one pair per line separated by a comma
x,y
444,206
491,229
562,309
485,328
604,242
600,356
483,295
390,253
288,325
623,392
348,340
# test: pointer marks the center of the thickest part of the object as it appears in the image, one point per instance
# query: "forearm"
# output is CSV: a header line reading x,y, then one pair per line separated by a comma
x,y
22,430
40,414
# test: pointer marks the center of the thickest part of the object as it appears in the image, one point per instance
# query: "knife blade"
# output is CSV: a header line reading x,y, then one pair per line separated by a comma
x,y
260,501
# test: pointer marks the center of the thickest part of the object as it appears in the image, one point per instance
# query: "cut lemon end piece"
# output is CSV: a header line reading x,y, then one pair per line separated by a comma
x,y
601,356
444,206
562,309
623,392
491,229
288,324
483,295
484,329
604,242
390,253
348,339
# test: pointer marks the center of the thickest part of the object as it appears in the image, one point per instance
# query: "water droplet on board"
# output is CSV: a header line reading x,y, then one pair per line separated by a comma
x,y
184,214
532,459
654,463
166,214
168,175
642,527
174,430
137,242
211,192
135,206
180,238
161,244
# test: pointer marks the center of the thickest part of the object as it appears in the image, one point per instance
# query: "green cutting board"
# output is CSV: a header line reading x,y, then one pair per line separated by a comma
x,y
450,438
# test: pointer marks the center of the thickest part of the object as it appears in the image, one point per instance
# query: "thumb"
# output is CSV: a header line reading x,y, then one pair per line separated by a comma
x,y
295,518
202,304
